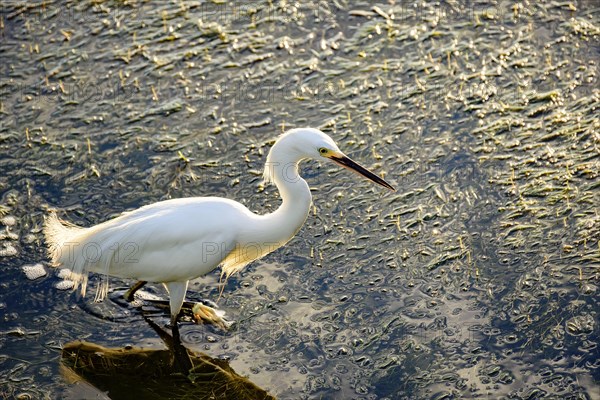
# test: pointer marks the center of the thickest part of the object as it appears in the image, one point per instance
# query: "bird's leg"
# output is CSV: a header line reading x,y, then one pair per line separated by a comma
x,y
129,295
182,360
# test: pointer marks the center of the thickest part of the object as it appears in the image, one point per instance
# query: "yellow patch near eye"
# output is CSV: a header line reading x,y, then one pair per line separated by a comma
x,y
323,151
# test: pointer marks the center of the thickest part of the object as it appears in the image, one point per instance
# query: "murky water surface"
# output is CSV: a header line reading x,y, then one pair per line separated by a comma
x,y
478,278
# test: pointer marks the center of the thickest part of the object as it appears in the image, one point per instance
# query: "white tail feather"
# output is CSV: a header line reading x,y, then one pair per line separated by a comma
x,y
58,232
62,238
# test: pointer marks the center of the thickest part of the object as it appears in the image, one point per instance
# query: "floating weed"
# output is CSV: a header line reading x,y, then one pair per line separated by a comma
x,y
486,121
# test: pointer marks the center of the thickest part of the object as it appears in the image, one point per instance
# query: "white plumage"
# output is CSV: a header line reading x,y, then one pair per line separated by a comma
x,y
175,241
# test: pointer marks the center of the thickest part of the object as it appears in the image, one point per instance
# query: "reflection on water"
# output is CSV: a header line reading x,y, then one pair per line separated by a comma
x,y
173,373
151,373
477,278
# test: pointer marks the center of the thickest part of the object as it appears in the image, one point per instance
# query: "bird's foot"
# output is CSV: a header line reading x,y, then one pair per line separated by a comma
x,y
130,294
201,312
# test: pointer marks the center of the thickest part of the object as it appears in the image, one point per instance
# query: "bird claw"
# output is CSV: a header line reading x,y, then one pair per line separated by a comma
x,y
208,314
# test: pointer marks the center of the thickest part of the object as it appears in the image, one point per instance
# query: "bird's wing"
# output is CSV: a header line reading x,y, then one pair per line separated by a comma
x,y
164,242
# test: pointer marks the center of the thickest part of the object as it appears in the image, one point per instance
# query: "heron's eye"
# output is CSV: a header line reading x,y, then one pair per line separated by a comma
x,y
323,151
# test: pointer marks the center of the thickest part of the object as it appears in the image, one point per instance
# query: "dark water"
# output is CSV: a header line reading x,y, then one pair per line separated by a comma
x,y
478,278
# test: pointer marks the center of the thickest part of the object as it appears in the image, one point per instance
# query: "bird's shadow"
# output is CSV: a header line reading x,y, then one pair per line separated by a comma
x,y
173,373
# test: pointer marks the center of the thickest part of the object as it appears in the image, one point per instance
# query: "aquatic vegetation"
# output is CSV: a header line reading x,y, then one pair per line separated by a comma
x,y
477,278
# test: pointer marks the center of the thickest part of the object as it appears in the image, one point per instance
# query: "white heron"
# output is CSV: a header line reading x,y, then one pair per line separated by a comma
x,y
175,241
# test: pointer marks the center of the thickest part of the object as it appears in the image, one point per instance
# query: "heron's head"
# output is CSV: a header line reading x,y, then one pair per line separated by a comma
x,y
303,143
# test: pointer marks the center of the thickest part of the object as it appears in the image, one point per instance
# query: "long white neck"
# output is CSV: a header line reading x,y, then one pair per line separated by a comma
x,y
262,234
282,169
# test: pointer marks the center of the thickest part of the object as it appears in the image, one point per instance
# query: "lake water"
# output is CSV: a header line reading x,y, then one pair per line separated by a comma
x,y
477,278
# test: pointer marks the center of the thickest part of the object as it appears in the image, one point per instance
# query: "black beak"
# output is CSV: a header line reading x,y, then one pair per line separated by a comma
x,y
347,162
